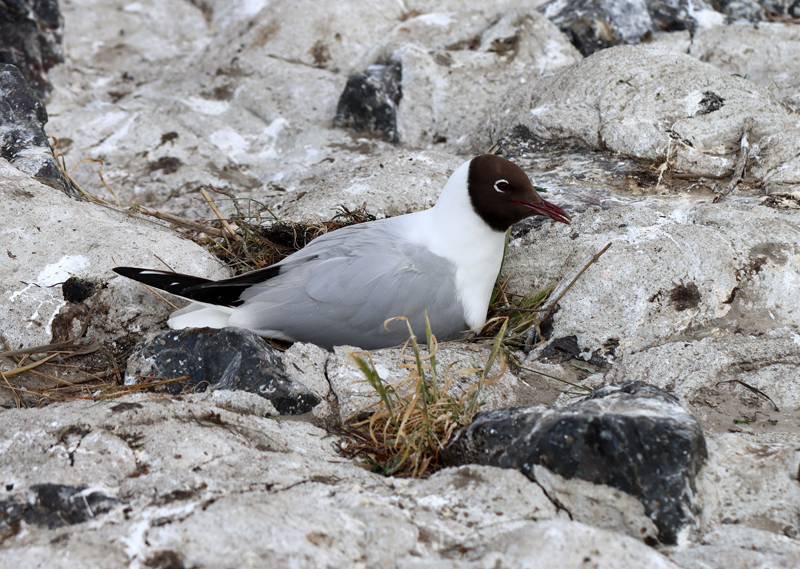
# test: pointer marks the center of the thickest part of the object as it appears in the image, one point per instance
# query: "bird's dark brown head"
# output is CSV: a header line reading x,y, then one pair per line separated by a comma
x,y
502,194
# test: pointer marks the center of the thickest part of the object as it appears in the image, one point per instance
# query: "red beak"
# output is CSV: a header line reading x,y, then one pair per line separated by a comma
x,y
550,210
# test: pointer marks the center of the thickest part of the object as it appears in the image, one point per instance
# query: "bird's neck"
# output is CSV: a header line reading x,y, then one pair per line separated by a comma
x,y
454,231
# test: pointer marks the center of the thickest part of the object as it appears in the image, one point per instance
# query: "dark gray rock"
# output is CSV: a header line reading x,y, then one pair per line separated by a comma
x,y
760,10
31,38
23,141
592,26
671,16
631,436
369,101
52,506
230,358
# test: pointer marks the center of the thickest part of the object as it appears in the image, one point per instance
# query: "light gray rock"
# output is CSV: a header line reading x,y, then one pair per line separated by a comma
x,y
697,371
547,378
490,49
753,549
683,275
652,103
569,545
197,127
48,237
119,36
207,486
234,110
114,50
766,54
387,185
751,484
458,495
433,6
250,104
241,94
223,13
598,505
339,36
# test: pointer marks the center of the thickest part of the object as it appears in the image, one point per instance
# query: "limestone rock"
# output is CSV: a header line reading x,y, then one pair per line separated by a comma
x,y
490,49
238,109
754,548
48,238
569,545
680,274
387,185
767,54
598,505
202,485
714,368
652,103
751,484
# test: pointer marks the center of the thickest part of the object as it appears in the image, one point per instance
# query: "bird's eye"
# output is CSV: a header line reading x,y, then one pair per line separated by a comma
x,y
501,186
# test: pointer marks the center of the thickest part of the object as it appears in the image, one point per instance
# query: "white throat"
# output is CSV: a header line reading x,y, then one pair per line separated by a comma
x,y
452,229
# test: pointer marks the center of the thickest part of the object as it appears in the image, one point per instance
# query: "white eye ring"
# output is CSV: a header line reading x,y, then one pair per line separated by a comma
x,y
498,182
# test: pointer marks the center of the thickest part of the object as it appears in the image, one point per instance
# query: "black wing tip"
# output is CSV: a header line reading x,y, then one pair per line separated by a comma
x,y
134,272
186,286
126,271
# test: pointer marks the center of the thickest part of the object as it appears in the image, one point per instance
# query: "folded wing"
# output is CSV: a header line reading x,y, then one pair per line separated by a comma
x,y
336,293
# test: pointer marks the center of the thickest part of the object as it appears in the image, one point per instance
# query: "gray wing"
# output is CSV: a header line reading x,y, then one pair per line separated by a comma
x,y
341,288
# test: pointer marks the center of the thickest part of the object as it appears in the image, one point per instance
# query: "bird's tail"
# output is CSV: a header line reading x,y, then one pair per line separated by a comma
x,y
174,283
219,293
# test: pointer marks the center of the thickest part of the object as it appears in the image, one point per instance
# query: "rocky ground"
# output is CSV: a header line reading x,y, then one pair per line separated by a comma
x,y
637,117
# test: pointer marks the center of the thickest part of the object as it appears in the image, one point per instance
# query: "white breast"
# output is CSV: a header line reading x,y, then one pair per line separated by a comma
x,y
452,229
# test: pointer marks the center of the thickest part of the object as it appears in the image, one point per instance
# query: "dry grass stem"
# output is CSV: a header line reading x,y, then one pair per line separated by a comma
x,y
165,263
17,398
62,165
180,221
227,229
52,354
99,173
592,261
155,292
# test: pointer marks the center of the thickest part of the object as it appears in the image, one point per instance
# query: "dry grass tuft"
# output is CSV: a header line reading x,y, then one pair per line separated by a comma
x,y
261,239
415,417
520,313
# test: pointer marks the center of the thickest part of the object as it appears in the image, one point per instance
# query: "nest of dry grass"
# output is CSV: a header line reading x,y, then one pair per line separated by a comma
x,y
255,238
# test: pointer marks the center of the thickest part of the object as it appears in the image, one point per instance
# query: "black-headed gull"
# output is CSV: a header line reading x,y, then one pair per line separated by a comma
x,y
344,285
